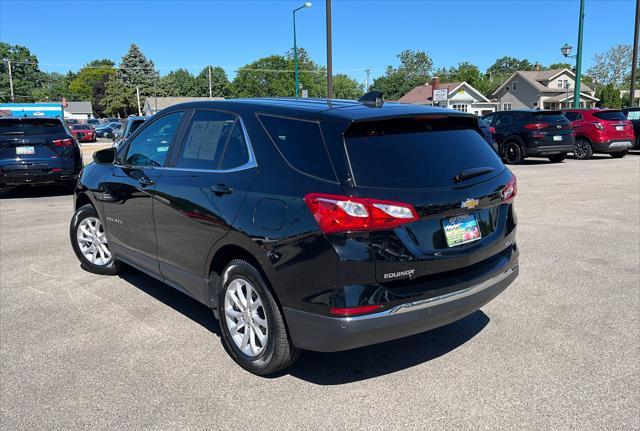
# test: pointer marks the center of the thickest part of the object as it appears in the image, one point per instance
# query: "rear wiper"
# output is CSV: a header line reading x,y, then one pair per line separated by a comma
x,y
471,173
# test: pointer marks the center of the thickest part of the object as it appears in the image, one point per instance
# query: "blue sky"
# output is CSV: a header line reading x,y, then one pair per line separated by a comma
x,y
366,34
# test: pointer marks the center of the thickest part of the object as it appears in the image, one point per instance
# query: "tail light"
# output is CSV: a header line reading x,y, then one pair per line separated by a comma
x,y
598,125
335,213
63,142
535,126
510,190
351,311
492,129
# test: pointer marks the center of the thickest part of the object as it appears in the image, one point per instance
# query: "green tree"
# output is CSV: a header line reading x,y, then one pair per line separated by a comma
x,y
415,69
27,77
612,67
469,73
136,70
502,69
88,77
555,66
609,96
273,76
346,88
220,85
118,98
54,86
178,82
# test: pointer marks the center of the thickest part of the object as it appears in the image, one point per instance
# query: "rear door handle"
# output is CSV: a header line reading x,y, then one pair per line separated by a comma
x,y
221,189
146,181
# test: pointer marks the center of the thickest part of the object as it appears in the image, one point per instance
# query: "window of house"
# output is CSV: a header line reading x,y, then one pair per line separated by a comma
x,y
535,104
566,83
559,83
461,108
514,85
506,106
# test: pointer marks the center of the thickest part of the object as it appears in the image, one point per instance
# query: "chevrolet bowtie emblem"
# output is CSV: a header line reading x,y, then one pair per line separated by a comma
x,y
470,203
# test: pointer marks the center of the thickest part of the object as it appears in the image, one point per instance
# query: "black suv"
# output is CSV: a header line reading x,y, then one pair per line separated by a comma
x,y
306,224
633,115
37,151
526,133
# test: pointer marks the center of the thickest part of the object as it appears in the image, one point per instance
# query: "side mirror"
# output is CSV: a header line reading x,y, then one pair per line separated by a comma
x,y
105,157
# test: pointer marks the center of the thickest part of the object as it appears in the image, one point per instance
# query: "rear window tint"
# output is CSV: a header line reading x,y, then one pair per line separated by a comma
x,y
31,127
301,144
610,115
572,116
415,153
549,117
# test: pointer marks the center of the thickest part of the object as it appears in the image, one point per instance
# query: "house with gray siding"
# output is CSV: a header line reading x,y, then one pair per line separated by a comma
x,y
542,89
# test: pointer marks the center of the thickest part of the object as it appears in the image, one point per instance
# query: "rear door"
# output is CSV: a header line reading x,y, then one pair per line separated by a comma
x,y
199,196
449,174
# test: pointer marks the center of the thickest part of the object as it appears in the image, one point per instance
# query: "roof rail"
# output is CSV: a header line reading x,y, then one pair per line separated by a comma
x,y
372,98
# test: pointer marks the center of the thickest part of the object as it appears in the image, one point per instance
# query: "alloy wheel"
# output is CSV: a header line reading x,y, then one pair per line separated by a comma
x,y
92,241
581,149
245,317
512,153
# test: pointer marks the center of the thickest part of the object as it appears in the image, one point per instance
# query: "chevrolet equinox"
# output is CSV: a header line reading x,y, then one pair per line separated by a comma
x,y
322,225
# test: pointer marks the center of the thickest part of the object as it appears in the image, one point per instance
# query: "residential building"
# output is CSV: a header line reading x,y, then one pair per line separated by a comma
x,y
461,96
77,110
155,104
542,89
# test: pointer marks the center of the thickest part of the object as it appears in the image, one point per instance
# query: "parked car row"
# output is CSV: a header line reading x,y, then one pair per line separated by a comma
x,y
553,134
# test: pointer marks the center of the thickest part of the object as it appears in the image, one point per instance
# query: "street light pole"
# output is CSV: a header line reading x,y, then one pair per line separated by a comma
x,y
576,90
329,54
634,64
295,46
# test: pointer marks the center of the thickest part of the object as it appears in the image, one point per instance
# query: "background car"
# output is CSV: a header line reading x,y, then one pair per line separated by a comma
x,y
600,131
130,125
108,130
524,133
93,122
37,151
487,133
71,121
633,115
83,133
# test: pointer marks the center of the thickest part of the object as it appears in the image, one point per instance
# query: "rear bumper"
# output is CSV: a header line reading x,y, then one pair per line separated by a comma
x,y
545,150
329,334
612,146
26,177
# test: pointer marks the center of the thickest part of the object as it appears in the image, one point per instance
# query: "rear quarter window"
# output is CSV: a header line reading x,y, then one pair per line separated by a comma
x,y
301,144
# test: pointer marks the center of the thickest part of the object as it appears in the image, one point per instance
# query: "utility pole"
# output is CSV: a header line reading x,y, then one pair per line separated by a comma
x,y
6,60
634,64
329,54
576,91
366,82
138,96
210,90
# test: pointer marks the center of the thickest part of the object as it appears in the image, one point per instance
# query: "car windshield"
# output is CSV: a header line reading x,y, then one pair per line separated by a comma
x,y
610,115
416,152
80,127
31,126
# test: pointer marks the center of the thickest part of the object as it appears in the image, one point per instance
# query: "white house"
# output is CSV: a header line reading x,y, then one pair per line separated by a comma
x,y
461,97
543,89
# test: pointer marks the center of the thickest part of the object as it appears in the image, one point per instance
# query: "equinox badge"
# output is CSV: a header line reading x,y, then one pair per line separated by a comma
x,y
470,203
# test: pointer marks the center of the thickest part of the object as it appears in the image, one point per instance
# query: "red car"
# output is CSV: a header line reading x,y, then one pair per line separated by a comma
x,y
600,131
83,133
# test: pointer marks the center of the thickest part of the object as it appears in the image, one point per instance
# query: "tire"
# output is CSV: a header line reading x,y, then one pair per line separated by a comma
x,y
513,153
276,351
583,149
104,262
557,158
618,154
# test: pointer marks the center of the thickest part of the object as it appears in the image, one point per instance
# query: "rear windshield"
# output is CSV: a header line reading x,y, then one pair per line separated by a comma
x,y
31,127
80,127
416,152
610,115
549,117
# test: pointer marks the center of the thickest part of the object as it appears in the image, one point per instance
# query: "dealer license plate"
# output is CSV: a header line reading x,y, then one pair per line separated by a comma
x,y
557,138
25,150
461,229
619,128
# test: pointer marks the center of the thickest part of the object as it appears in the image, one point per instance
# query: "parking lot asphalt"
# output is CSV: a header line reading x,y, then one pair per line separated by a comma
x,y
559,349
